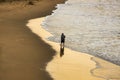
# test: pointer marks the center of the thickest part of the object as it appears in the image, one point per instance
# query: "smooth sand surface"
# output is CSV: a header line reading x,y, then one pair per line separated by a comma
x,y
74,65
23,55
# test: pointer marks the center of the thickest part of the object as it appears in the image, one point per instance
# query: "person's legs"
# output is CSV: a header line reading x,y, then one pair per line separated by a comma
x,y
62,45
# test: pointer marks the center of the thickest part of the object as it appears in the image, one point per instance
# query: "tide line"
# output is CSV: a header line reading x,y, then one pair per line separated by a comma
x,y
70,66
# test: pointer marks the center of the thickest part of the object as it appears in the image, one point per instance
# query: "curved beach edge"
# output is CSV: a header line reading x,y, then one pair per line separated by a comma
x,y
74,64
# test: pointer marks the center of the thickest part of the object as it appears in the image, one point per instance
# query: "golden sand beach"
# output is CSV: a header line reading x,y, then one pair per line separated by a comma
x,y
25,55
74,65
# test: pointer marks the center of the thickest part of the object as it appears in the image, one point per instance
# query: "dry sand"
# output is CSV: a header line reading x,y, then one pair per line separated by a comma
x,y
23,55
74,65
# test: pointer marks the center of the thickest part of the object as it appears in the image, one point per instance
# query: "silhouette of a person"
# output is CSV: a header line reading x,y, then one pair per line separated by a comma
x,y
62,39
62,45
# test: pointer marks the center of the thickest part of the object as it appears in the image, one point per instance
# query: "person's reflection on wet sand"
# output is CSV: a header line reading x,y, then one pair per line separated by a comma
x,y
61,51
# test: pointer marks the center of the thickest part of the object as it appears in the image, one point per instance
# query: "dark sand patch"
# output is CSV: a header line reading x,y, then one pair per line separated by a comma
x,y
24,55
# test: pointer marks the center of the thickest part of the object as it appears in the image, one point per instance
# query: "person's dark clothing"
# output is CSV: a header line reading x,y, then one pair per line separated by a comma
x,y
62,38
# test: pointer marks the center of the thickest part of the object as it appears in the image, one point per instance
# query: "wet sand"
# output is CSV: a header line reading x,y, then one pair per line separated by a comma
x,y
23,55
106,70
74,65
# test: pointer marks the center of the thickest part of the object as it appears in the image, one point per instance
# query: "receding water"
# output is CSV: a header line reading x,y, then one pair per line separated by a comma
x,y
90,26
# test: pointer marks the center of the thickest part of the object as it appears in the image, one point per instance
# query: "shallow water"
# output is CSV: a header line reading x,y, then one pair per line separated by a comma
x,y
90,26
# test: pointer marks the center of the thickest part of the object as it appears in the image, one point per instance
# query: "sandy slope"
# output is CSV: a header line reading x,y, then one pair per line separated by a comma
x,y
23,55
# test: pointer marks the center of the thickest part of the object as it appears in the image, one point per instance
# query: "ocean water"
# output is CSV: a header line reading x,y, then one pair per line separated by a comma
x,y
90,26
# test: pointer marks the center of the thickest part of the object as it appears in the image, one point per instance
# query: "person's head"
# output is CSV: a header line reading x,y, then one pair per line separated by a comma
x,y
62,33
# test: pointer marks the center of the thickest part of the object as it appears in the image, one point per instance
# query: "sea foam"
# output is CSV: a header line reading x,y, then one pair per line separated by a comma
x,y
90,26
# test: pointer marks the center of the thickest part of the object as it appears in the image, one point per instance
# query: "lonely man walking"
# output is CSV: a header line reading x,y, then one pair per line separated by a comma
x,y
62,40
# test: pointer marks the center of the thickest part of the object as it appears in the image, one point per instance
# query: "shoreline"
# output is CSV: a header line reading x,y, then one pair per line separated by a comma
x,y
87,69
53,67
